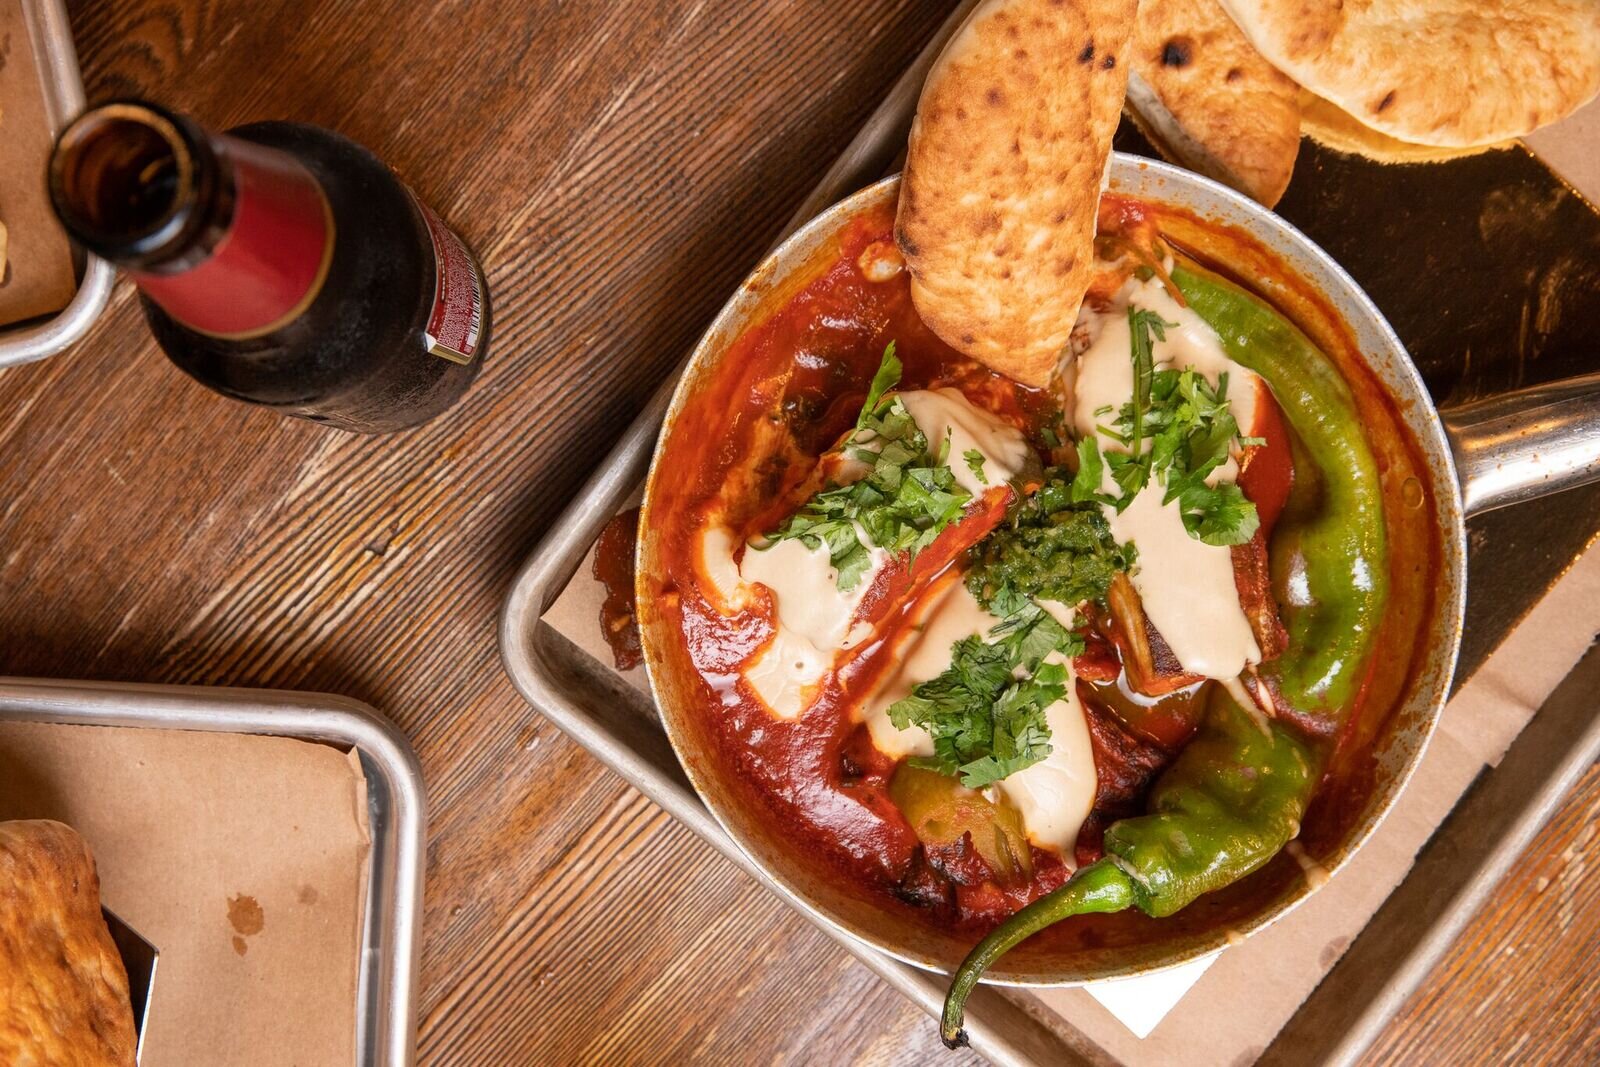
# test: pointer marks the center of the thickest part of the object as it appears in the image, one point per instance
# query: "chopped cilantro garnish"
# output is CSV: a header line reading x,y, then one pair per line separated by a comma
x,y
886,378
902,504
1091,472
974,460
986,711
1190,429
1141,324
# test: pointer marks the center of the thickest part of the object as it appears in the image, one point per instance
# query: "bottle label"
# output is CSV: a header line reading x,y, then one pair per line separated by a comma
x,y
457,315
271,262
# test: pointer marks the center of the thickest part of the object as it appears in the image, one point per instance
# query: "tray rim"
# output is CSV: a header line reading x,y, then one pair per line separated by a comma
x,y
61,79
389,958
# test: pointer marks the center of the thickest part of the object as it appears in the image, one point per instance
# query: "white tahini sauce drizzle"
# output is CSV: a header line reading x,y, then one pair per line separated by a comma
x,y
1056,794
716,563
815,619
1053,796
1187,586
941,411
921,652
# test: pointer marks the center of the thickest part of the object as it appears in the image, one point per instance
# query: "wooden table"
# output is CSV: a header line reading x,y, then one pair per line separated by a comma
x,y
618,166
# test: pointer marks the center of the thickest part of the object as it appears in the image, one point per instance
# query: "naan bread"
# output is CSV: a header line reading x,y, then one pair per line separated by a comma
x,y
1202,93
1003,177
1334,128
63,991
1451,73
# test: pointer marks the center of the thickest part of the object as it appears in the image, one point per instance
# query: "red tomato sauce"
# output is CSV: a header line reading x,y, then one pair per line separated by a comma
x,y
613,569
742,454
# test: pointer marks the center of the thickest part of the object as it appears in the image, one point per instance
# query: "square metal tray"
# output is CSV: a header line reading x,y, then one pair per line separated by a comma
x,y
50,36
386,986
1461,864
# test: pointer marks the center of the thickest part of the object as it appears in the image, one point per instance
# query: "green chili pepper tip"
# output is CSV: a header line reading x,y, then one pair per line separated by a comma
x,y
1099,887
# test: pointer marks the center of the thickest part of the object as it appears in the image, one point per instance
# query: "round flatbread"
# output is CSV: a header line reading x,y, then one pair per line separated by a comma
x,y
1003,177
1451,73
1207,99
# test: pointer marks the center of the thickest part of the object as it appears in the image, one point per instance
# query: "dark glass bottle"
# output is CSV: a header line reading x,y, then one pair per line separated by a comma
x,y
279,264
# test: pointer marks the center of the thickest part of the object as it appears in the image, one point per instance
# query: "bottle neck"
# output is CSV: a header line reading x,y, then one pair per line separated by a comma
x,y
230,238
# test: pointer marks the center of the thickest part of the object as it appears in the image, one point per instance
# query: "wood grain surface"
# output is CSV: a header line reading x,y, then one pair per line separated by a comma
x,y
618,167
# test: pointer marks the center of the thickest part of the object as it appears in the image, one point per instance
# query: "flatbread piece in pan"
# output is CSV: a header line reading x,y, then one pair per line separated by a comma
x,y
1003,177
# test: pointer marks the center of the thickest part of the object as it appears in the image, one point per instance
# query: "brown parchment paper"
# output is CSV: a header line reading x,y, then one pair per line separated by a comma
x,y
242,858
36,276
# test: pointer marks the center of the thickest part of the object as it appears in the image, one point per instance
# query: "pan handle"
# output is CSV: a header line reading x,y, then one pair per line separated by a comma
x,y
1526,444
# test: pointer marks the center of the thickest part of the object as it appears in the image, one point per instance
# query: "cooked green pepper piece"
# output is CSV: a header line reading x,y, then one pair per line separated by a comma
x,y
1237,793
1232,799
941,811
1329,556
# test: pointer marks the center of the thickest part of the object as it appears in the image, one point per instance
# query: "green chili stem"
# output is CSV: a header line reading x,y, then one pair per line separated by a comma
x,y
1099,887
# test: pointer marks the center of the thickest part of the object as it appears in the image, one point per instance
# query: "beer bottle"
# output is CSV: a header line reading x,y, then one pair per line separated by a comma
x,y
278,263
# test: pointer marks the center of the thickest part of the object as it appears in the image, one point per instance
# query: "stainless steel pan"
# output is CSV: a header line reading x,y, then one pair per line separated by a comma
x,y
1493,453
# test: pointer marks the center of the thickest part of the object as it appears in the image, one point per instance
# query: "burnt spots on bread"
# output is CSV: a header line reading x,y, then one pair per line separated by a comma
x,y
1177,53
1388,98
1087,55
1109,62
1233,75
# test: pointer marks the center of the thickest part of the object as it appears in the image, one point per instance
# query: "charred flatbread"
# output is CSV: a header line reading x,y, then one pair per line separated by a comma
x,y
63,990
1450,73
1337,129
1203,94
1003,177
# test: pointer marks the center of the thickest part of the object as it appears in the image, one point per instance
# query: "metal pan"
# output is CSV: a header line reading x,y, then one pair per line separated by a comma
x,y
386,988
1509,449
50,36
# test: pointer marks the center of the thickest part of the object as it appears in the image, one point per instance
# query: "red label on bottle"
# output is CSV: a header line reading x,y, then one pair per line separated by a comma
x,y
269,265
457,316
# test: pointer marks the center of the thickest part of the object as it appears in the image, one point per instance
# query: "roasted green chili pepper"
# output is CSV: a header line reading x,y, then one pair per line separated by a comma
x,y
1237,793
1229,803
1329,558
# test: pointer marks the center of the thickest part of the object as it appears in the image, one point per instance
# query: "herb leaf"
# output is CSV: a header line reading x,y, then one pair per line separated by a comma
x,y
907,498
886,378
1141,324
1091,472
986,712
1190,429
974,460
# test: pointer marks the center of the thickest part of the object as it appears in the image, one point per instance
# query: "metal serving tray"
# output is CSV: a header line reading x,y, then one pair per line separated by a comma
x,y
1454,874
50,36
386,987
